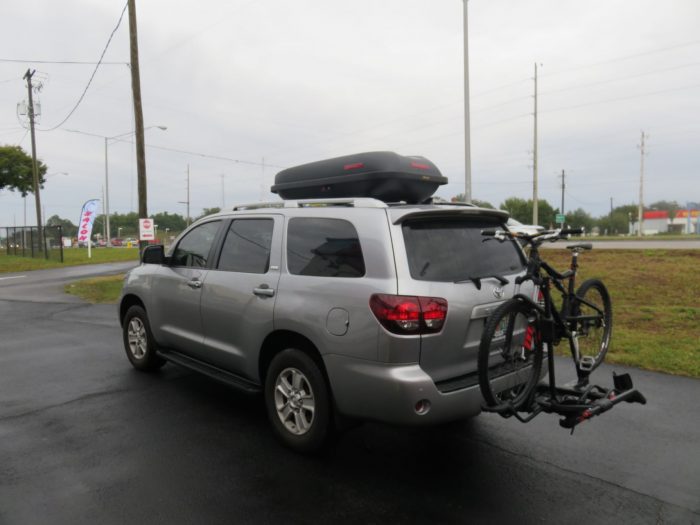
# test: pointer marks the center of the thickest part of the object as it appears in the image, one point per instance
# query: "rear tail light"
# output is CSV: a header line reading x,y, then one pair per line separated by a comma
x,y
401,314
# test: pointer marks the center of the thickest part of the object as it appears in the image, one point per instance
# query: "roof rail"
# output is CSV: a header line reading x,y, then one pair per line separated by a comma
x,y
258,205
311,203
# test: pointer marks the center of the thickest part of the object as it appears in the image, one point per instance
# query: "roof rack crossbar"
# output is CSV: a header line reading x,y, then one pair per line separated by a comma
x,y
363,202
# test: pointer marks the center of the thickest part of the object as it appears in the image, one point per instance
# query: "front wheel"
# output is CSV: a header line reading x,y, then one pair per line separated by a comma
x,y
298,401
592,309
510,355
140,347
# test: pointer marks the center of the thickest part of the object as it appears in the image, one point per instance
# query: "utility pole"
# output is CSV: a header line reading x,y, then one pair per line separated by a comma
x,y
35,167
535,218
138,113
611,216
563,187
640,211
187,202
104,222
105,196
467,123
223,195
262,180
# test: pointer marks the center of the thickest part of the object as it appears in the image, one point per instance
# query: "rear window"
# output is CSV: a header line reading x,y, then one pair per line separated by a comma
x,y
449,250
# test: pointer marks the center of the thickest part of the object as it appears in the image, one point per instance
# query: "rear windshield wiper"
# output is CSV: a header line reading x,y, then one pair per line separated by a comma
x,y
477,280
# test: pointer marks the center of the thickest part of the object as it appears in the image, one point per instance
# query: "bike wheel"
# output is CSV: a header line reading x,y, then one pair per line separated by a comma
x,y
510,355
593,311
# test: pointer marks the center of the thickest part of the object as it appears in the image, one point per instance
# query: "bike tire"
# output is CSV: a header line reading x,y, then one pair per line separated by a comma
x,y
594,333
508,378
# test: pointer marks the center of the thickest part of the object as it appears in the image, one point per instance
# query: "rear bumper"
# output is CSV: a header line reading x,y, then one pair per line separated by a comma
x,y
389,393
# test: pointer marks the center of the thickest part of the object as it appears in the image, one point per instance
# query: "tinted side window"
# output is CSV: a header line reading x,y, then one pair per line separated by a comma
x,y
324,248
247,246
450,250
193,249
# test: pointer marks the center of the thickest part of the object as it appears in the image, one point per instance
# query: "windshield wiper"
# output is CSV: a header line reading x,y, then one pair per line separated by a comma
x,y
477,280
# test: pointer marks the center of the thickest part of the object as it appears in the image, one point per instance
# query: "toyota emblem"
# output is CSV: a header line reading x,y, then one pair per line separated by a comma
x,y
498,292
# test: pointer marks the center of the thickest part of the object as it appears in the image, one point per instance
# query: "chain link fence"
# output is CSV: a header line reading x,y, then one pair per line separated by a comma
x,y
23,241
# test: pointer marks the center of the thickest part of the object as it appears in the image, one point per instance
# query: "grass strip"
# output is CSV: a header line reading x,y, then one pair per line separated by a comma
x,y
71,256
656,305
97,290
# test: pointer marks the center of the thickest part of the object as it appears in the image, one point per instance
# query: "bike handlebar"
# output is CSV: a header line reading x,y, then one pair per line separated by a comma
x,y
535,238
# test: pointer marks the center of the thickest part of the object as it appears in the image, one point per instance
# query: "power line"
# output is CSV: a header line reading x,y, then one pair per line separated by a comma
x,y
109,40
619,79
68,62
622,58
215,157
620,98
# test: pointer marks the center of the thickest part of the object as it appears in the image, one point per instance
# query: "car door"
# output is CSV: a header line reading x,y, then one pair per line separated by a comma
x,y
177,290
241,289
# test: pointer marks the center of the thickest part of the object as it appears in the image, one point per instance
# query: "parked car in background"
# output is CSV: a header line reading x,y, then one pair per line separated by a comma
x,y
528,229
117,242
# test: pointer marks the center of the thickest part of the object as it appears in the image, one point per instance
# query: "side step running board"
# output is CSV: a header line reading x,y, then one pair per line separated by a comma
x,y
230,379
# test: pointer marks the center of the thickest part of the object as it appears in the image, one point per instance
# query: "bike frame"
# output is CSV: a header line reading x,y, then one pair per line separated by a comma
x,y
556,325
575,402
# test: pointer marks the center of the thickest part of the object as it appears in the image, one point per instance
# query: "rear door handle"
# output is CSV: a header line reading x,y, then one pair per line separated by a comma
x,y
194,283
264,290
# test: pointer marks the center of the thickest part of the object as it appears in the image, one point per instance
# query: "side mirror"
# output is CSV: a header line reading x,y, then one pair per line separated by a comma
x,y
153,254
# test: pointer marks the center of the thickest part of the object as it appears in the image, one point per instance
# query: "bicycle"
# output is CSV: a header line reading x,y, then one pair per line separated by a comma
x,y
523,330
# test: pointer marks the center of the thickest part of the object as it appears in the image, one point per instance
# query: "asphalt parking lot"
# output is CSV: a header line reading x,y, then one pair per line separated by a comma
x,y
85,439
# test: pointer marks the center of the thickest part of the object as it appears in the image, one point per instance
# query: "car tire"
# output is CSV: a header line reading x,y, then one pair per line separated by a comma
x,y
139,344
297,399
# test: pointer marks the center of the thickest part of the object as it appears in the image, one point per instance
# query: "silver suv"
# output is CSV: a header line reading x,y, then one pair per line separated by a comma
x,y
337,307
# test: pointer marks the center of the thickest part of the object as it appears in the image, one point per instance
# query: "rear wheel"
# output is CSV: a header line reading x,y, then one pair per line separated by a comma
x,y
593,326
510,355
298,401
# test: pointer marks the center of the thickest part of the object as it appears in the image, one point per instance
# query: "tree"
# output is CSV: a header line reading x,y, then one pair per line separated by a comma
x,y
619,221
580,219
476,202
172,221
208,211
128,222
671,207
16,171
521,210
67,227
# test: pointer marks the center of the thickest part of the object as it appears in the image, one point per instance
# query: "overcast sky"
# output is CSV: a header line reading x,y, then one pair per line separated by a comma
x,y
294,82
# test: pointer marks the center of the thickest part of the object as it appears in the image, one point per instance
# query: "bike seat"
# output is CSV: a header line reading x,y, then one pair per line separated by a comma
x,y
580,246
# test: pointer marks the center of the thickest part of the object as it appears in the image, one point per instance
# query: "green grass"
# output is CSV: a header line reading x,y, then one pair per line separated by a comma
x,y
657,237
98,289
72,257
655,295
656,305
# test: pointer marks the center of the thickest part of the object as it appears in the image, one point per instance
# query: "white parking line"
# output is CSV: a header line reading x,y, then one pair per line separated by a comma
x,y
13,277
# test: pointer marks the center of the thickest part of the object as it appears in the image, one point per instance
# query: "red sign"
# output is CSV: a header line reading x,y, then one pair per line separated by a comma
x,y
146,230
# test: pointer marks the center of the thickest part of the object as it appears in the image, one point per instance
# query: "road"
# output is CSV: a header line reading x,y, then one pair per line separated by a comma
x,y
632,245
46,286
84,438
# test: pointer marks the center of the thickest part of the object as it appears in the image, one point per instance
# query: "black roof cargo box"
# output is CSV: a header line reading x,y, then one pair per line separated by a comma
x,y
383,175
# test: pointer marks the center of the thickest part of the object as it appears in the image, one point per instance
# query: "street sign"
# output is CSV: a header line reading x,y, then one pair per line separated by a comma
x,y
146,230
560,218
